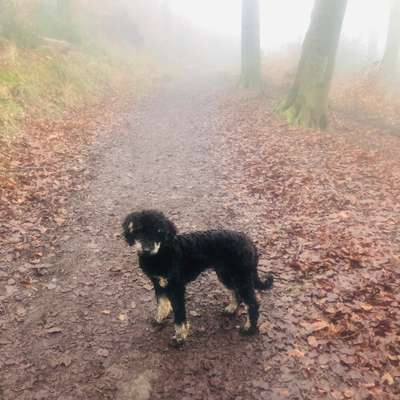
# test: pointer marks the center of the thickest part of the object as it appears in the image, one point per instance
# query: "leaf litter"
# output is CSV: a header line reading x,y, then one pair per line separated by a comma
x,y
325,209
322,208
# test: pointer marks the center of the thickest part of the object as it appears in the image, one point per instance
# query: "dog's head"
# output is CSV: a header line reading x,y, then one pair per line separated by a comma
x,y
148,230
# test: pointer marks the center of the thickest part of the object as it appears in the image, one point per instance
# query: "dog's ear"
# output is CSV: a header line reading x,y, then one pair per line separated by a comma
x,y
171,228
129,226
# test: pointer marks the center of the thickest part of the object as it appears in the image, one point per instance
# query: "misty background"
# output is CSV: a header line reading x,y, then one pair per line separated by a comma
x,y
138,40
284,25
198,32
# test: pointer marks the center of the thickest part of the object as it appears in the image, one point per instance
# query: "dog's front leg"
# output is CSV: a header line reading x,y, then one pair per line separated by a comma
x,y
177,296
164,307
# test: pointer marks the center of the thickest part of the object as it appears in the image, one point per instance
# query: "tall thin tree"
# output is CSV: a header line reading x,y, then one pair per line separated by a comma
x,y
307,101
372,48
251,52
64,8
390,60
166,15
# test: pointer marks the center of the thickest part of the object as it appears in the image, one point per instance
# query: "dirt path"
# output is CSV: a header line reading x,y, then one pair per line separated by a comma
x,y
80,328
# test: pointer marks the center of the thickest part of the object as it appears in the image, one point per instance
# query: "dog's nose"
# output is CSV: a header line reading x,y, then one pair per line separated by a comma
x,y
147,247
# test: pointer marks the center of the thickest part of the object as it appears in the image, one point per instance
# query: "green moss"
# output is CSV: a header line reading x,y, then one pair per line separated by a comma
x,y
53,82
8,77
10,115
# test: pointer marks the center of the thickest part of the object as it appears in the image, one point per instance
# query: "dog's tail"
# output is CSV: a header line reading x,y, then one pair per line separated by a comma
x,y
258,283
263,285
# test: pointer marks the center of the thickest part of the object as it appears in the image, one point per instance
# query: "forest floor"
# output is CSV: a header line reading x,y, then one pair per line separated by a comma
x,y
322,207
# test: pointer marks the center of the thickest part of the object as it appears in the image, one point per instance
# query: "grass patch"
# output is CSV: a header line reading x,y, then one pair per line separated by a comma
x,y
46,81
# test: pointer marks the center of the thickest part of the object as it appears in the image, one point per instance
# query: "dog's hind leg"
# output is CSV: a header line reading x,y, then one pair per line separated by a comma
x,y
234,298
234,302
252,306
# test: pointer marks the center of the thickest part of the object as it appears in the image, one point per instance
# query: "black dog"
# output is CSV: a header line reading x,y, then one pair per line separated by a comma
x,y
171,261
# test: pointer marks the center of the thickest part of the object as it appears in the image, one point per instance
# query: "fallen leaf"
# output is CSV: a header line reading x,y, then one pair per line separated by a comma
x,y
264,328
64,359
51,286
316,326
387,378
366,307
194,313
103,352
348,393
27,283
284,392
54,329
122,317
261,384
296,353
21,312
312,341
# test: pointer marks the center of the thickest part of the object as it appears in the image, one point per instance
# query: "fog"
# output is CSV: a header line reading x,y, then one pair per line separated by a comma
x,y
280,174
285,21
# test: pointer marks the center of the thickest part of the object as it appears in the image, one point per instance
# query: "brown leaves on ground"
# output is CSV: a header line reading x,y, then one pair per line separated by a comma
x,y
324,210
40,170
367,97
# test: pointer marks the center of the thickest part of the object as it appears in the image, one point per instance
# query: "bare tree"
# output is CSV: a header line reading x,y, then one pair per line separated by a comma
x,y
166,15
372,48
251,51
390,58
307,101
64,8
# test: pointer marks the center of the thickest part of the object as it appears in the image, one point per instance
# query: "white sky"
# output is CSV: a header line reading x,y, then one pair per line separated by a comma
x,y
283,21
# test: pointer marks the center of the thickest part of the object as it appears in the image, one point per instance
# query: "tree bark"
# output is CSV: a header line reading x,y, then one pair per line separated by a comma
x,y
307,101
166,15
389,65
372,50
251,51
64,8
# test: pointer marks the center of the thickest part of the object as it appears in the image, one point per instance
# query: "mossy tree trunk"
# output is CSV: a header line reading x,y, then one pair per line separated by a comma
x,y
389,65
307,101
251,52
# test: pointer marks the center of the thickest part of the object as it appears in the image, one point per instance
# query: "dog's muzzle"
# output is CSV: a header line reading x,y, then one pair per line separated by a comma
x,y
150,248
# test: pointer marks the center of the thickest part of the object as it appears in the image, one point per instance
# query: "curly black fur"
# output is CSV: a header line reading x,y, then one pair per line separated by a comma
x,y
171,261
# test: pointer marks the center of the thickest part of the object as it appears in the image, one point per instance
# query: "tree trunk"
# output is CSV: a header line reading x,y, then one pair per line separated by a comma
x,y
390,58
251,51
307,101
64,8
166,15
372,50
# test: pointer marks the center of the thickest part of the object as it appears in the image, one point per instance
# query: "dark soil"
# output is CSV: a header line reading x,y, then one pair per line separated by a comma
x,y
77,325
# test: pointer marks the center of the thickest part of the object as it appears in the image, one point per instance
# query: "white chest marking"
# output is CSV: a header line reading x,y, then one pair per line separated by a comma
x,y
156,248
